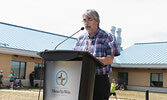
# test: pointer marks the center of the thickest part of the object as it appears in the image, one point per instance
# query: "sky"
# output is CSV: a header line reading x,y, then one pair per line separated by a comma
x,y
141,21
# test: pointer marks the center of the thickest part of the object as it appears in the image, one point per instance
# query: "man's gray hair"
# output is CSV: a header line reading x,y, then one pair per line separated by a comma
x,y
91,12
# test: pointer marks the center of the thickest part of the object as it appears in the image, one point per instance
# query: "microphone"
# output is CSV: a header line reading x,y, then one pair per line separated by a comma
x,y
82,28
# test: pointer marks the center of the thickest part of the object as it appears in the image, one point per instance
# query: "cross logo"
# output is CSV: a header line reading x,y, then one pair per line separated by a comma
x,y
61,78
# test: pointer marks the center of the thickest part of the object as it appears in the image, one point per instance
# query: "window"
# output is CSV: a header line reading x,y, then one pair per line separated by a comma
x,y
156,80
123,78
19,69
39,71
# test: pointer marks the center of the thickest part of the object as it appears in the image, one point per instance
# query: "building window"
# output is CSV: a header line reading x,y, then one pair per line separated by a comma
x,y
39,71
156,80
19,69
123,79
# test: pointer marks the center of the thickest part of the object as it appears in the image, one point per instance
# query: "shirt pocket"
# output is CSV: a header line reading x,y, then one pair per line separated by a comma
x,y
100,48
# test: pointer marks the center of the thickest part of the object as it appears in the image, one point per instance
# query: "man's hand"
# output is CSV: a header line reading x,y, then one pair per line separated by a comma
x,y
106,60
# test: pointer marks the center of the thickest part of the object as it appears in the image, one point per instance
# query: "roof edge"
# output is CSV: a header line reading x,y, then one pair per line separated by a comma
x,y
143,66
150,43
20,52
34,30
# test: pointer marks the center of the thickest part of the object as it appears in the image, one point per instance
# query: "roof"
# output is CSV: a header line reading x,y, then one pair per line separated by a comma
x,y
153,53
14,51
23,38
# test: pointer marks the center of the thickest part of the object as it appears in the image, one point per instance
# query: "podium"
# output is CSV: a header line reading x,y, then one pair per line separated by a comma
x,y
69,75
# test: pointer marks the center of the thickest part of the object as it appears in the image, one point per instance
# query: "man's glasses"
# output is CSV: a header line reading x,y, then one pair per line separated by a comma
x,y
89,20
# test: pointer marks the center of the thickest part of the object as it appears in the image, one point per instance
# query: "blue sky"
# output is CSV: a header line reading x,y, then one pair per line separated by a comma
x,y
140,20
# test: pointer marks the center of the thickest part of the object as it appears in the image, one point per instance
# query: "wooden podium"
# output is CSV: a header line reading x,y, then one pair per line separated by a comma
x,y
69,75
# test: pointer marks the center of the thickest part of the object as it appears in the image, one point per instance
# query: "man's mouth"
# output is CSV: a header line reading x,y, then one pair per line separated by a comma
x,y
88,27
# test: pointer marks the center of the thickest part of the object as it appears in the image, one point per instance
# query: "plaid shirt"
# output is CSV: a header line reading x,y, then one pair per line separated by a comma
x,y
100,45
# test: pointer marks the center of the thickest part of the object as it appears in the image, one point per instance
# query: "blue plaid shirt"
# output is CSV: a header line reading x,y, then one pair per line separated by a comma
x,y
100,45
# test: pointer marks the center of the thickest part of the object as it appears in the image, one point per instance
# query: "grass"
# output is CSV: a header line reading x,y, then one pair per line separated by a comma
x,y
139,95
28,93
35,89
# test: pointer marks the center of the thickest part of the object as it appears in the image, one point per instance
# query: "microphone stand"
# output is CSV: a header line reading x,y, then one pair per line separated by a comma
x,y
82,28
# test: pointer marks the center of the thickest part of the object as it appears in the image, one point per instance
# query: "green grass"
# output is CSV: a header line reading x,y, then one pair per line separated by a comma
x,y
21,94
30,93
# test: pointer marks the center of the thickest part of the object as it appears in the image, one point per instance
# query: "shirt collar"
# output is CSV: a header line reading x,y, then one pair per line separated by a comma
x,y
94,35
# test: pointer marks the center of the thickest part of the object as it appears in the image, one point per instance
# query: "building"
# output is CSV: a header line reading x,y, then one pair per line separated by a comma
x,y
142,66
23,62
19,47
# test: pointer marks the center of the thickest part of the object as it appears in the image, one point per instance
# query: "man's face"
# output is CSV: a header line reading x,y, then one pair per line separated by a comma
x,y
90,24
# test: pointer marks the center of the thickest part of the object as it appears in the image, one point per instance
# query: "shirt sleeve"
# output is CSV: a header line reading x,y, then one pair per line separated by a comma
x,y
112,46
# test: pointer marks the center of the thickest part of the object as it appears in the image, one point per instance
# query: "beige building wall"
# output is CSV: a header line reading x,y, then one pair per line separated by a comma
x,y
139,77
5,64
165,79
6,59
29,68
114,75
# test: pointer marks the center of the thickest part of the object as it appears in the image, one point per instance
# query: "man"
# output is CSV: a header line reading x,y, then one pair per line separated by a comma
x,y
32,76
103,46
1,78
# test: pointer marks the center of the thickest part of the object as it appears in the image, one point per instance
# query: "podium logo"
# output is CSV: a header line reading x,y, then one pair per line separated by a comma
x,y
61,78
